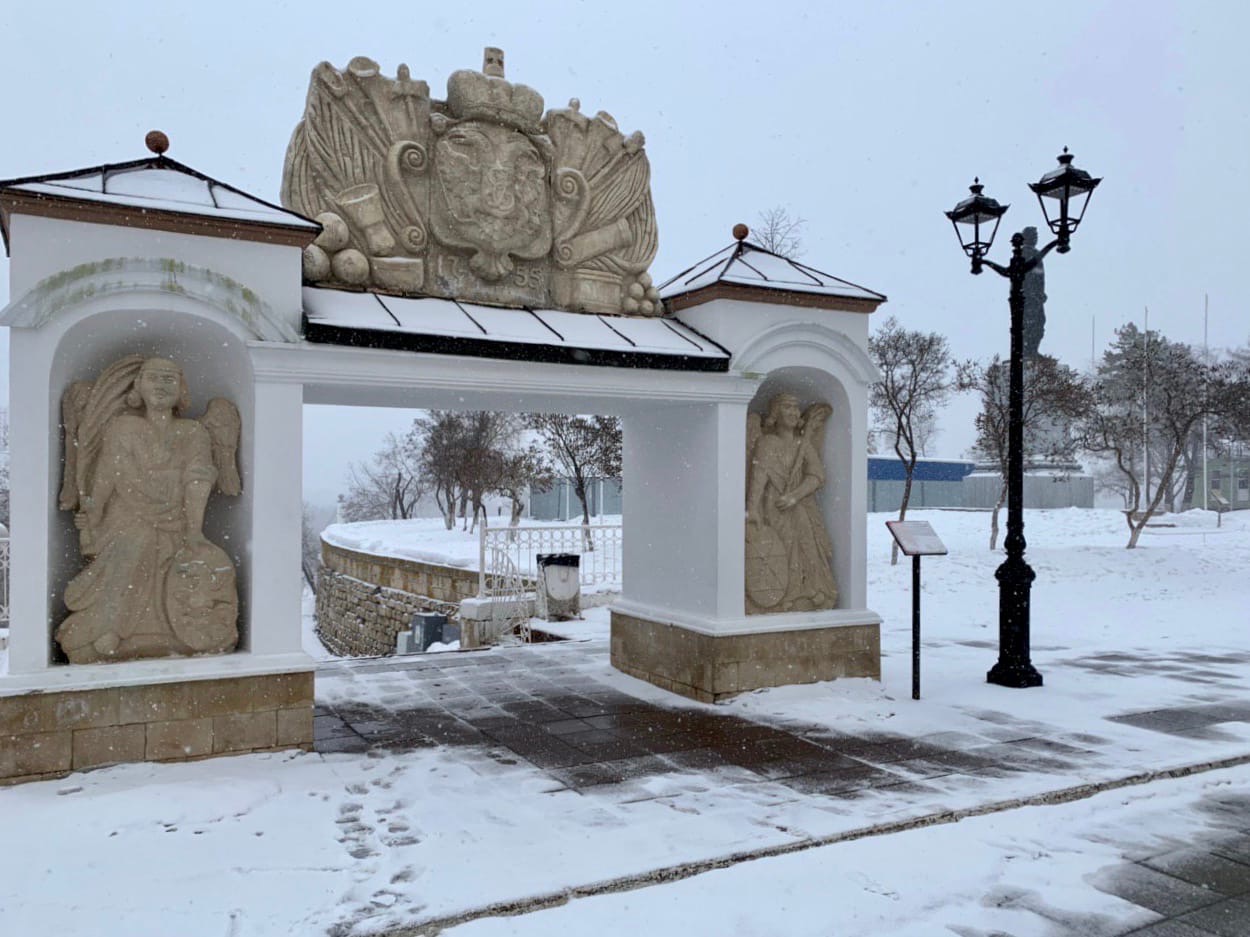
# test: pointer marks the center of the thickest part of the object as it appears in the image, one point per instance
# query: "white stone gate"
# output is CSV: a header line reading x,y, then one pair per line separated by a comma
x,y
152,257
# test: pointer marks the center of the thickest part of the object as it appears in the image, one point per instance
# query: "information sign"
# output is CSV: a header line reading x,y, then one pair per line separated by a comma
x,y
916,538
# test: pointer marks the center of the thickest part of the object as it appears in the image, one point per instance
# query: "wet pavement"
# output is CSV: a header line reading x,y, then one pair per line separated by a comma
x,y
584,733
1193,890
558,710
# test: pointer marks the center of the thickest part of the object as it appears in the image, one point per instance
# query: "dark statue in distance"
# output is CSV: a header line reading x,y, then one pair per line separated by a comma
x,y
1034,290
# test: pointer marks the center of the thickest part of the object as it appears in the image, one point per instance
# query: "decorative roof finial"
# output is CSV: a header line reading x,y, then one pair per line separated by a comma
x,y
492,62
157,142
741,231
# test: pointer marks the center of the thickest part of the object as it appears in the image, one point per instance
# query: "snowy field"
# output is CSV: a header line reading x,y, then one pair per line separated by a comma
x,y
295,843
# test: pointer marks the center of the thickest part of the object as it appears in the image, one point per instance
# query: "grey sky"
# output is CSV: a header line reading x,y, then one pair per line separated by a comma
x,y
868,120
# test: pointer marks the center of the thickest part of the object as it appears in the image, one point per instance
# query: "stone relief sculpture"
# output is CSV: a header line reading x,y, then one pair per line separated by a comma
x,y
789,557
138,476
481,197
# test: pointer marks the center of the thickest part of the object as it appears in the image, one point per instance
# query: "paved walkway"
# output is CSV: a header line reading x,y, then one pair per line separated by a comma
x,y
554,708
1193,889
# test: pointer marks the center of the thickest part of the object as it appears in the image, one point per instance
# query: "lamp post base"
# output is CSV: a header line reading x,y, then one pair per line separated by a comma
x,y
1015,675
1015,583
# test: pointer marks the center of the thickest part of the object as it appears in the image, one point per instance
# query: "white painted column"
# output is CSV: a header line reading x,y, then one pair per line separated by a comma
x,y
670,536
855,591
277,514
730,476
34,473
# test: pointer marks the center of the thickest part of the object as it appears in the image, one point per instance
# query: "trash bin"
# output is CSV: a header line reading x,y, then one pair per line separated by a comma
x,y
426,629
559,591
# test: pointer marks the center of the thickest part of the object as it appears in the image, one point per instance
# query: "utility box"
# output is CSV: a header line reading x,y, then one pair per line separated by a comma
x,y
427,629
559,590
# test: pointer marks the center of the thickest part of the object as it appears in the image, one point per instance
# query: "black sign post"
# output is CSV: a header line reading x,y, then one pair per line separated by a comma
x,y
916,539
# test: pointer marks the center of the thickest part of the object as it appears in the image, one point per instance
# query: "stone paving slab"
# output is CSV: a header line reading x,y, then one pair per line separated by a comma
x,y
554,711
551,710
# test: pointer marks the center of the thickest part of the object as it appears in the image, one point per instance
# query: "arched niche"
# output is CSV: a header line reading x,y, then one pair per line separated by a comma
x,y
811,385
815,361
212,351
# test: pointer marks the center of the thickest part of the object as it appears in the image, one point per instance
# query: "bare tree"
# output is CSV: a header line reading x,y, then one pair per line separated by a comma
x,y
582,448
466,455
925,432
486,438
917,377
441,438
521,472
780,232
1055,398
386,488
1181,390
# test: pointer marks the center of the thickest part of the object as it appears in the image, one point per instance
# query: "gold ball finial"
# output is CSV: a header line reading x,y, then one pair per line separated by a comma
x,y
157,142
741,231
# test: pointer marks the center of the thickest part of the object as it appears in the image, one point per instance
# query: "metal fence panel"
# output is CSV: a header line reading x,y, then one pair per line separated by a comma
x,y
516,550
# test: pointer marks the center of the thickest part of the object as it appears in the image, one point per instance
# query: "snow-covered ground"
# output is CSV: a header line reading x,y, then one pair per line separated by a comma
x,y
1017,873
295,843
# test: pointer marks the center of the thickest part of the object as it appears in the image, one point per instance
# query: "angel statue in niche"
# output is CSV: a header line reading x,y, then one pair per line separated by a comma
x,y
138,476
789,557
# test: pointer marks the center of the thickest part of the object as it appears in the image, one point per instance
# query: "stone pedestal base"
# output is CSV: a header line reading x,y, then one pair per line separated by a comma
x,y
49,734
712,667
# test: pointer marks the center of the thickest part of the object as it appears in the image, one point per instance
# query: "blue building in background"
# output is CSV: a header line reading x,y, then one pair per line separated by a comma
x,y
936,483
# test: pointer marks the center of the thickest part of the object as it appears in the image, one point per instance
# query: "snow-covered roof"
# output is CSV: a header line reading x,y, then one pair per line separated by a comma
x,y
448,326
155,187
743,264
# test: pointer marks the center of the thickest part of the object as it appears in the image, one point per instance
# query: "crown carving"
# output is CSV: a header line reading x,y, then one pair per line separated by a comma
x,y
472,94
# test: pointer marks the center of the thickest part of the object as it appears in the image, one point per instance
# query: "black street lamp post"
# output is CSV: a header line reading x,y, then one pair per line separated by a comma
x,y
1066,191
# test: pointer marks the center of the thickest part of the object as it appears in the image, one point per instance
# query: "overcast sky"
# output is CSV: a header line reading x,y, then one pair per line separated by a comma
x,y
867,120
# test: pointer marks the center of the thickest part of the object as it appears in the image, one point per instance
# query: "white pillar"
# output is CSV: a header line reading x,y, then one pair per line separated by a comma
x,y
855,586
277,515
729,474
34,474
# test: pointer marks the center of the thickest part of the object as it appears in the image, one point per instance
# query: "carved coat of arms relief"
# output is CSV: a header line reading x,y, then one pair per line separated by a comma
x,y
481,197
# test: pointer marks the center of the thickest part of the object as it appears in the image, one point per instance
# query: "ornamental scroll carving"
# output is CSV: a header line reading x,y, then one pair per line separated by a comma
x,y
138,476
482,197
789,556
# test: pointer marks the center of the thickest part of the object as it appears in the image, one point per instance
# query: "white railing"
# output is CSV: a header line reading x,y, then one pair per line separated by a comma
x,y
4,582
515,550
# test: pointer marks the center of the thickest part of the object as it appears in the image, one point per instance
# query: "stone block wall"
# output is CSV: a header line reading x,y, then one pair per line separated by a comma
x,y
447,584
710,668
359,619
364,601
47,735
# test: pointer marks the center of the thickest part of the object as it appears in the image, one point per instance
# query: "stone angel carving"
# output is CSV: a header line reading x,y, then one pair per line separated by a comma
x,y
138,476
789,556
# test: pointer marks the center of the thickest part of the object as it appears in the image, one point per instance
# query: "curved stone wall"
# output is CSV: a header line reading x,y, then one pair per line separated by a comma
x,y
365,600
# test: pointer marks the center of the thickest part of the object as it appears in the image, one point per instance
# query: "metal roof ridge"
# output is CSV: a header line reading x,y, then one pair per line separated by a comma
x,y
697,265
161,161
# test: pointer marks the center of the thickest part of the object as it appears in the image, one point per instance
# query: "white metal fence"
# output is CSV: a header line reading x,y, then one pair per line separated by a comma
x,y
508,552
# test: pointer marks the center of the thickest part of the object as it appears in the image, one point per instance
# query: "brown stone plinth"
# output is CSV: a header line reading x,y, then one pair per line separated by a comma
x,y
708,668
47,735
